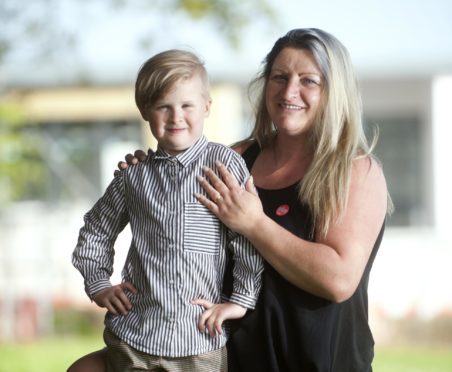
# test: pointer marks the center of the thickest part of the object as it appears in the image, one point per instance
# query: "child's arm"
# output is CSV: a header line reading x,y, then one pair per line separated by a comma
x,y
247,262
94,253
216,314
247,272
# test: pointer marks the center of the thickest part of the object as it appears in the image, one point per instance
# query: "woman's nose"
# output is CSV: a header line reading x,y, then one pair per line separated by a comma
x,y
292,89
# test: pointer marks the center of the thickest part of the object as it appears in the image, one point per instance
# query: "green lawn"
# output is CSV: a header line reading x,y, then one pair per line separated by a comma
x,y
55,355
51,355
413,359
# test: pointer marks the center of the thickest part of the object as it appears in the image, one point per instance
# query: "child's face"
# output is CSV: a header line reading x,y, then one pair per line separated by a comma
x,y
177,118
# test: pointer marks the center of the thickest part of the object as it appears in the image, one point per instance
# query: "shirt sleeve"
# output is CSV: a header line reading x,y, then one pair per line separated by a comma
x,y
247,262
94,252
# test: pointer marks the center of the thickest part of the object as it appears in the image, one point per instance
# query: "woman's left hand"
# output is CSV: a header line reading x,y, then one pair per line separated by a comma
x,y
237,208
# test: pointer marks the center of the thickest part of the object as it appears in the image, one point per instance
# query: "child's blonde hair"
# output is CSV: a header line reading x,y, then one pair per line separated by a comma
x,y
159,73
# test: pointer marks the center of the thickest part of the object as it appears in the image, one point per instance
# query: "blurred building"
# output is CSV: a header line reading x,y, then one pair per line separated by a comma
x,y
411,275
80,133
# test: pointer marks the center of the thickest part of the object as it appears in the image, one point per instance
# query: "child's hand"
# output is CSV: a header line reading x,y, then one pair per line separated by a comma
x,y
115,299
216,314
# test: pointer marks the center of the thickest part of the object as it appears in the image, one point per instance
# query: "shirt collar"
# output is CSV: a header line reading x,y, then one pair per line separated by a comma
x,y
187,156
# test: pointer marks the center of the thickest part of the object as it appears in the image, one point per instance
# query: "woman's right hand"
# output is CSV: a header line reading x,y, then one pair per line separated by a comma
x,y
238,208
137,157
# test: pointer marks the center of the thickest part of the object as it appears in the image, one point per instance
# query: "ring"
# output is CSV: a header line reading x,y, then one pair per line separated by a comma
x,y
218,198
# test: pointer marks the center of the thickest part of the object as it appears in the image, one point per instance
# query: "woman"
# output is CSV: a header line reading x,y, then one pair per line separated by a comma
x,y
314,208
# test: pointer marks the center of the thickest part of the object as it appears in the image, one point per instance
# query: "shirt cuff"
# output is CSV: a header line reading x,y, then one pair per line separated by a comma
x,y
92,288
242,300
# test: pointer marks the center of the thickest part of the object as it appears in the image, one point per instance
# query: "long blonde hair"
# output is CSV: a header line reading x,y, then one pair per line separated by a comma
x,y
337,136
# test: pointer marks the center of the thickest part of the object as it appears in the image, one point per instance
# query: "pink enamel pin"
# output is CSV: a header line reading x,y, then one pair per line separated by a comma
x,y
282,210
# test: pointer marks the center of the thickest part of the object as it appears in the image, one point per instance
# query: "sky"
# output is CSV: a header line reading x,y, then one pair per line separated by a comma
x,y
385,37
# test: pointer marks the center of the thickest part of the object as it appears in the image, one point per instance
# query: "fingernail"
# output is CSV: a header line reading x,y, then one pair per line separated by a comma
x,y
218,163
205,169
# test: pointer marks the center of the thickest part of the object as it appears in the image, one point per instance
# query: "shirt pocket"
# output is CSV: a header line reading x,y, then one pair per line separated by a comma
x,y
201,229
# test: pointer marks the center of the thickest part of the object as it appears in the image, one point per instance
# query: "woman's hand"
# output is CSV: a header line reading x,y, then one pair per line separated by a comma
x,y
216,314
137,157
239,209
115,299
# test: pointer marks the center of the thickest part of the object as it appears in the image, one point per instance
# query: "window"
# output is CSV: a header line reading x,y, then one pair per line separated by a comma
x,y
401,150
62,161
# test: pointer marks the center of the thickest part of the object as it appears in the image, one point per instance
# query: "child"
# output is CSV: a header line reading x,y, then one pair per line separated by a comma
x,y
177,257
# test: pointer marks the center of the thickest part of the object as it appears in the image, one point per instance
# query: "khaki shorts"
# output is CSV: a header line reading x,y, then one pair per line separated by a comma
x,y
123,358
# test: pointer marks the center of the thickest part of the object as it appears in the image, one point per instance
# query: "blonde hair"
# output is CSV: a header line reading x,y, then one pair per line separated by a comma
x,y
159,73
337,135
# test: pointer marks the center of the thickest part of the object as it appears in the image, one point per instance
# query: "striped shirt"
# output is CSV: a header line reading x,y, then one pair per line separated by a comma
x,y
178,251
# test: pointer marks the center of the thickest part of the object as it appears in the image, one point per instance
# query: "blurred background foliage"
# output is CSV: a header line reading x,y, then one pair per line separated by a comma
x,y
37,27
23,170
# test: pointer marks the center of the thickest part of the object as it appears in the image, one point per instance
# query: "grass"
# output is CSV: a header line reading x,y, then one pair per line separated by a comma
x,y
48,355
56,354
413,359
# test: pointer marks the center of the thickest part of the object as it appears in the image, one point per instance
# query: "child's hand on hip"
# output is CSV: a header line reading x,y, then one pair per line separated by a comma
x,y
115,299
216,314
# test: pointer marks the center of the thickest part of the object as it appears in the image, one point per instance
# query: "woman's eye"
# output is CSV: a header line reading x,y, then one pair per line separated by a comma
x,y
279,78
309,81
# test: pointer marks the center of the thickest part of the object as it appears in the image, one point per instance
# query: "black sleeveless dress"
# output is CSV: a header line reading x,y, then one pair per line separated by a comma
x,y
293,330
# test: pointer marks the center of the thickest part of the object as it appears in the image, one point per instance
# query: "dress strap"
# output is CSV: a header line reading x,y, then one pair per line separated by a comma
x,y
250,154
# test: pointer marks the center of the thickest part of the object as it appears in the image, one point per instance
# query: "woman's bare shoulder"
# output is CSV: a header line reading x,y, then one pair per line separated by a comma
x,y
368,181
368,167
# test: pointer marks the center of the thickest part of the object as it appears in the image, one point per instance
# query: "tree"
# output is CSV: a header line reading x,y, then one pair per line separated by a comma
x,y
37,26
22,171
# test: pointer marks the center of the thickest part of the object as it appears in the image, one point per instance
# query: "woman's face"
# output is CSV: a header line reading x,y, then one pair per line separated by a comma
x,y
294,91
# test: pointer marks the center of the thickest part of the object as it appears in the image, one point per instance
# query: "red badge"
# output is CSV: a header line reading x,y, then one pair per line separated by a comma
x,y
282,210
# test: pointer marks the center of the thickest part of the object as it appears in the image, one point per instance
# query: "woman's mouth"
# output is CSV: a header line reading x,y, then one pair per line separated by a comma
x,y
291,107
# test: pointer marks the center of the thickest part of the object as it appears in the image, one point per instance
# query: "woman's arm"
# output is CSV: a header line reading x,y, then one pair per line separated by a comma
x,y
332,266
140,156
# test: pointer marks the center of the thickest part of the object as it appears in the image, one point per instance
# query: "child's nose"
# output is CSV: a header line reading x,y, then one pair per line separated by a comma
x,y
176,116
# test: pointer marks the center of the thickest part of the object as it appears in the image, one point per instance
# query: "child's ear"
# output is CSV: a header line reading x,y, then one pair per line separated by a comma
x,y
207,108
144,115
